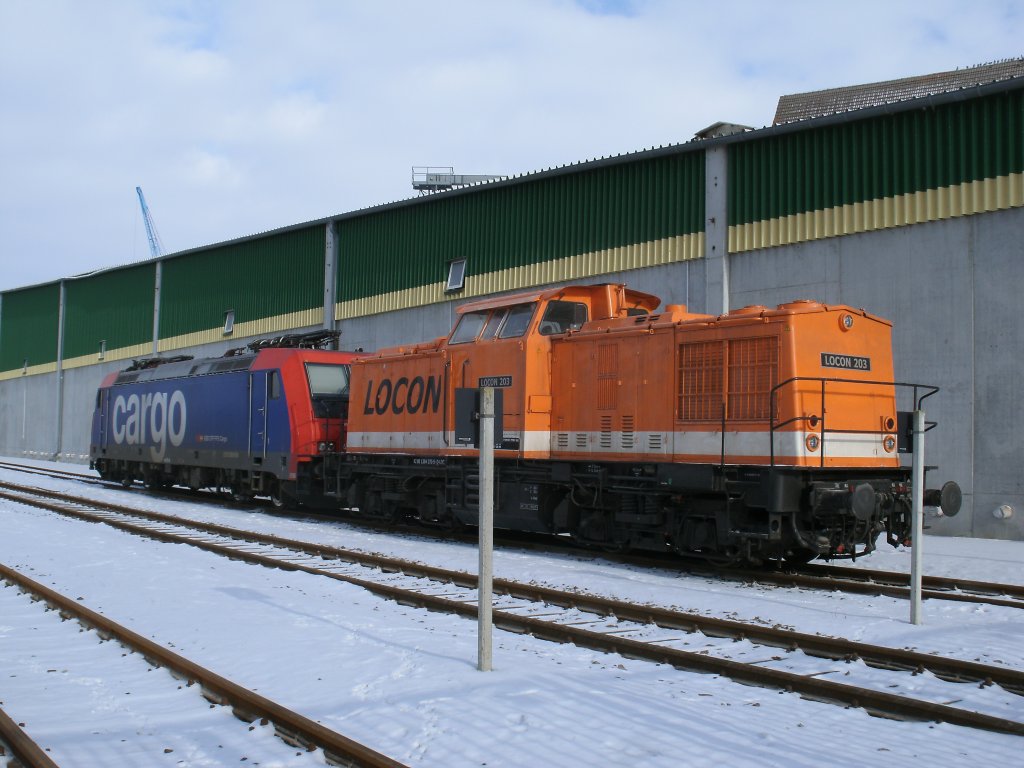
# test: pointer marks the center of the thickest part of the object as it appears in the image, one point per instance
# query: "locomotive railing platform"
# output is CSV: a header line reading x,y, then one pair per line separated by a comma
x,y
815,420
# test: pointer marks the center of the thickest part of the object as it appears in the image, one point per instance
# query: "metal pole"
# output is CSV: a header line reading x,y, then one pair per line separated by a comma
x,y
917,519
330,274
61,307
158,277
486,528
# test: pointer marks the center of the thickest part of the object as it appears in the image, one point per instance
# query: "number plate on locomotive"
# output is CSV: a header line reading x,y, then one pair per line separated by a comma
x,y
846,362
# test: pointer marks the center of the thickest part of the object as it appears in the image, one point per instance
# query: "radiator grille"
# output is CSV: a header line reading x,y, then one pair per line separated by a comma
x,y
735,375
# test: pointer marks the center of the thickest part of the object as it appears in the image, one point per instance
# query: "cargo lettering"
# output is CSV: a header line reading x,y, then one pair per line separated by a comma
x,y
418,395
153,417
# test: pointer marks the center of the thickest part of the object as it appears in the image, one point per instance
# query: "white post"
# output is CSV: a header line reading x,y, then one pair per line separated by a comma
x,y
917,518
486,528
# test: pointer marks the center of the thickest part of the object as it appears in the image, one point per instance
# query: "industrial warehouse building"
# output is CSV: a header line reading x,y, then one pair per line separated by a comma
x,y
904,198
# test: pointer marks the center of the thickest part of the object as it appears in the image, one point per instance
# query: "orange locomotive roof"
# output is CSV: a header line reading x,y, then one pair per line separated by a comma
x,y
639,299
678,314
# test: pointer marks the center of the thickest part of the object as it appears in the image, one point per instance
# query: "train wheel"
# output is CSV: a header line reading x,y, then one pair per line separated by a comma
x,y
799,556
155,483
240,496
278,497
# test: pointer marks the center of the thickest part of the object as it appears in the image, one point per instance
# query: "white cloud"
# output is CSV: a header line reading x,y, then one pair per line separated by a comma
x,y
209,169
241,116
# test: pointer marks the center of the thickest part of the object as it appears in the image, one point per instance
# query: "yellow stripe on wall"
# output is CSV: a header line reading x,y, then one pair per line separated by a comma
x,y
268,325
964,199
620,259
121,353
32,370
278,324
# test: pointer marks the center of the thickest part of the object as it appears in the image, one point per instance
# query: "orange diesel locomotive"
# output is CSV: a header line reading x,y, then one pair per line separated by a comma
x,y
759,434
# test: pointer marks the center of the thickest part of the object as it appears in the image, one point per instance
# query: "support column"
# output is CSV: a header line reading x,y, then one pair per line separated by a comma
x,y
330,273
158,279
60,371
716,230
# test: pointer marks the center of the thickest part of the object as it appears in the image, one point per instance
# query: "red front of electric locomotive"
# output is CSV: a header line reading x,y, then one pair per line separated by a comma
x,y
315,385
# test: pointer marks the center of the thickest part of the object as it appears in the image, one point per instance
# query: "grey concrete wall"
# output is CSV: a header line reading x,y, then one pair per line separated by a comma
x,y
998,395
949,289
28,423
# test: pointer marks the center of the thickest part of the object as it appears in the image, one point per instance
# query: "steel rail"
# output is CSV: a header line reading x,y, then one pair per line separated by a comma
x,y
937,583
24,750
247,705
48,471
893,585
811,687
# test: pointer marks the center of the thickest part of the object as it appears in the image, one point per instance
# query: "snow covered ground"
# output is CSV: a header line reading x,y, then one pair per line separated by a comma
x,y
403,680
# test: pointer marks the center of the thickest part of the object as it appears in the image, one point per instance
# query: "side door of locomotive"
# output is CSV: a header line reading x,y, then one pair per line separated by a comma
x,y
495,356
258,417
102,416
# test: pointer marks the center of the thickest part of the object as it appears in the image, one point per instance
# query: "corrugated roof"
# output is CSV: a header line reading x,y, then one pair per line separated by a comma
x,y
802,106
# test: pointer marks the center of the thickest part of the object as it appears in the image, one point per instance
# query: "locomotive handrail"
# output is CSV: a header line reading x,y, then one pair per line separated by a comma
x,y
825,380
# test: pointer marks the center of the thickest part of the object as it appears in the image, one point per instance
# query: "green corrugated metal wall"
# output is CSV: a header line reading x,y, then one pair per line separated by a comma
x,y
116,307
522,224
28,326
902,153
262,278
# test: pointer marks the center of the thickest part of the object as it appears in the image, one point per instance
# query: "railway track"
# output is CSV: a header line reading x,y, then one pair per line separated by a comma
x,y
49,472
811,576
745,652
889,583
294,729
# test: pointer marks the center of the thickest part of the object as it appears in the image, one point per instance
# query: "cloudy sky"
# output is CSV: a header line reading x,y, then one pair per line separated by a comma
x,y
240,116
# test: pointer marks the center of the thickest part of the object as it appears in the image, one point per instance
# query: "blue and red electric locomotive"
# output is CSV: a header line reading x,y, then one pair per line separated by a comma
x,y
256,421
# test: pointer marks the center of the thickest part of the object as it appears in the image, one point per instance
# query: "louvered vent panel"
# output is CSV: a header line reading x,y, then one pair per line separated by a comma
x,y
628,440
700,381
753,371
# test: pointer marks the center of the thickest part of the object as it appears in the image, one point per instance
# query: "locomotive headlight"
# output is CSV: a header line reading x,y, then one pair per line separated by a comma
x,y
889,443
846,321
325,447
812,442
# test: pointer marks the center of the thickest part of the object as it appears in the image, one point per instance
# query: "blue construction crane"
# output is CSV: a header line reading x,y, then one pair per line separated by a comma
x,y
156,248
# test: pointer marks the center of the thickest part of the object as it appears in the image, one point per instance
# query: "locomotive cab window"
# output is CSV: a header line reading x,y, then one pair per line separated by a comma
x,y
518,321
562,316
327,380
328,385
274,385
497,318
468,327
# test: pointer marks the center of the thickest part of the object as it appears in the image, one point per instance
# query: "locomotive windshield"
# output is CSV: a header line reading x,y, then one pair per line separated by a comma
x,y
328,384
502,323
